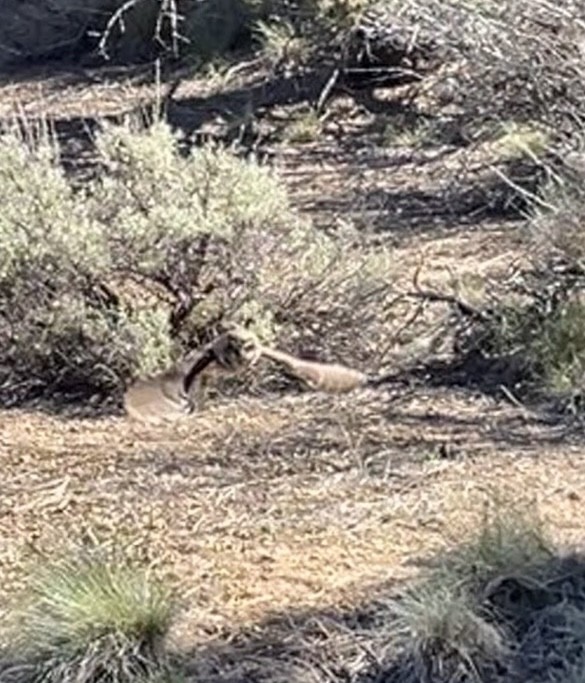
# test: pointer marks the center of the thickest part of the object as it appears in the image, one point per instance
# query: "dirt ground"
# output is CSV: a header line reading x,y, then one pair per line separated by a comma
x,y
260,506
269,504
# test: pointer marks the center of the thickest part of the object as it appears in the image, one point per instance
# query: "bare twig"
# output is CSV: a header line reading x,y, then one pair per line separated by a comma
x,y
117,19
168,11
430,295
327,89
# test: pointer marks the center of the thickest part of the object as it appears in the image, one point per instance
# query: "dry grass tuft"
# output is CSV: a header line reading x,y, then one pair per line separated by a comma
x,y
517,141
282,44
87,618
306,126
442,637
445,626
509,540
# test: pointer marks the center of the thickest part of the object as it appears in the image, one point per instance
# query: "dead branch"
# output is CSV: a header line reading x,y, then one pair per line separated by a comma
x,y
117,19
462,306
168,11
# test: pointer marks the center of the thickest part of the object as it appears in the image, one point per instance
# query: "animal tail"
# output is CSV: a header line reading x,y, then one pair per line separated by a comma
x,y
329,377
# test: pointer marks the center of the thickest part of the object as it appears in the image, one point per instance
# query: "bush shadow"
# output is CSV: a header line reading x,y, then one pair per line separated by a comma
x,y
541,609
523,418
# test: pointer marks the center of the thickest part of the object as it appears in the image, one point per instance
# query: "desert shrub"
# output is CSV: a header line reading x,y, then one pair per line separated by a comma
x,y
60,326
102,284
220,233
555,243
556,235
304,127
555,227
88,618
538,341
51,253
558,349
534,325
527,57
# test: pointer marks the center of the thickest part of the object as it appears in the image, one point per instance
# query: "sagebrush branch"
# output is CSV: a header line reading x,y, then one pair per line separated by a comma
x,y
462,306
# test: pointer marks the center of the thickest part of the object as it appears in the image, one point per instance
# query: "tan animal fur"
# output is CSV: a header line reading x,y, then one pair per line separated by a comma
x,y
176,393
329,377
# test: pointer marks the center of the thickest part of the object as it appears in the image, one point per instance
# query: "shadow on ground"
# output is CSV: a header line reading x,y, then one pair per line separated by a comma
x,y
539,612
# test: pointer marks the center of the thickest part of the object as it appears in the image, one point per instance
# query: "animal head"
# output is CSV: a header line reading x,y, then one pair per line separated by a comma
x,y
236,347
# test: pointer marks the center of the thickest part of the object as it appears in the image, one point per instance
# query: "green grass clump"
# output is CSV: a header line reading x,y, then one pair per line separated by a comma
x,y
89,619
559,349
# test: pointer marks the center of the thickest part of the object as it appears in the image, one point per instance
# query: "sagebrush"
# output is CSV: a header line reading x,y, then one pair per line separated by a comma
x,y
116,279
533,322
